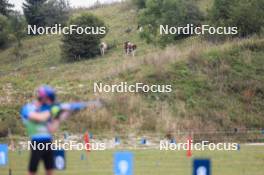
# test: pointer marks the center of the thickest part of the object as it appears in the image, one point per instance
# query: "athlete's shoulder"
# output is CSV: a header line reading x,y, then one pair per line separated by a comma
x,y
26,109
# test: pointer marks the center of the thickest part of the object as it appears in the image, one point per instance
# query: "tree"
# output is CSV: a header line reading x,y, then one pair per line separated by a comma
x,y
17,32
46,13
18,27
221,10
168,12
5,7
140,3
247,15
56,12
82,46
34,12
4,32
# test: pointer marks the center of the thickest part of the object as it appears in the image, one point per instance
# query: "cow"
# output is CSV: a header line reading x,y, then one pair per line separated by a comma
x,y
103,48
130,48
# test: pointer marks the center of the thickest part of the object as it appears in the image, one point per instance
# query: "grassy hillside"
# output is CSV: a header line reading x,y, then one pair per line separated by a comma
x,y
215,85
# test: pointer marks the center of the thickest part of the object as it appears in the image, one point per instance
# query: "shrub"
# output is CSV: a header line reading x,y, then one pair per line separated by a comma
x,y
247,15
56,12
46,13
221,10
82,46
10,120
17,27
3,31
168,12
140,3
34,12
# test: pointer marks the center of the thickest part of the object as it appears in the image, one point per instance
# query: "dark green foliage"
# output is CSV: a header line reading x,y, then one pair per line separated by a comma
x,y
56,12
17,33
34,12
3,31
46,13
12,28
10,120
221,10
167,12
140,3
5,7
18,27
76,46
247,15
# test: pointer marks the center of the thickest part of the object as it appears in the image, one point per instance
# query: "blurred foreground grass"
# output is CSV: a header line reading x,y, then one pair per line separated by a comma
x,y
247,161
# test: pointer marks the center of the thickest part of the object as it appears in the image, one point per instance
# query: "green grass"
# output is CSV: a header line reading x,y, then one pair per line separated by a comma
x,y
220,86
209,80
42,62
248,161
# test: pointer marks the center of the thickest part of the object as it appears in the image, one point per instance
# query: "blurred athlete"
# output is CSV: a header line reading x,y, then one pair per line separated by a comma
x,y
41,118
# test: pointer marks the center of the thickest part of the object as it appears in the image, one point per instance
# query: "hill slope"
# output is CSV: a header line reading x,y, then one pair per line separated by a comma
x,y
218,86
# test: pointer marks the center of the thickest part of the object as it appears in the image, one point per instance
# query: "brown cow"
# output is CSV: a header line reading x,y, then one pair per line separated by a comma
x,y
130,48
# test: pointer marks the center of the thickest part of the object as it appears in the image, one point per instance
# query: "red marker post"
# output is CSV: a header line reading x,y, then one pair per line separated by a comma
x,y
87,142
189,151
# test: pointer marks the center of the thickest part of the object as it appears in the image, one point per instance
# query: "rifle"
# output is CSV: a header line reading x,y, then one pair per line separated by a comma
x,y
77,106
